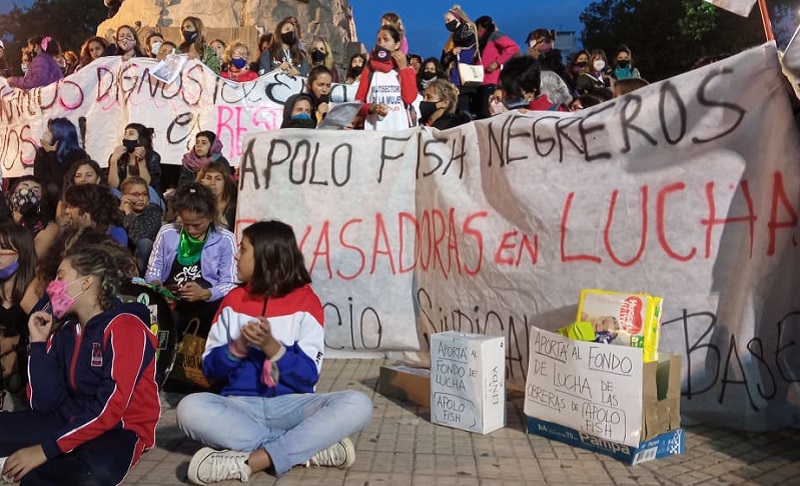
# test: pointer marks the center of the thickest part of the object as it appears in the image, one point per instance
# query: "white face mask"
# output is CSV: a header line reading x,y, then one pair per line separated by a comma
x,y
599,65
155,48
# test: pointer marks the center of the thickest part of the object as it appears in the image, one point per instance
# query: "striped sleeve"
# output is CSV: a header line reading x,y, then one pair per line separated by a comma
x,y
129,349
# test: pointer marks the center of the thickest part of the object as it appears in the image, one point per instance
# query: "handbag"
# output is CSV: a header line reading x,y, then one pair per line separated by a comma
x,y
471,74
188,367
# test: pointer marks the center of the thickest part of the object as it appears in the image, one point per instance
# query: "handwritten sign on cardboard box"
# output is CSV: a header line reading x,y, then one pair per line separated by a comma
x,y
468,381
590,387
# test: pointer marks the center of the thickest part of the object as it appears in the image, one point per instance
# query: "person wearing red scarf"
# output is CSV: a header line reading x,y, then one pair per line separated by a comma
x,y
388,85
237,68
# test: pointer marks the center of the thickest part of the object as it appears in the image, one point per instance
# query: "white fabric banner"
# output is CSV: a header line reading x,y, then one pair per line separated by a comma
x,y
687,189
739,7
108,94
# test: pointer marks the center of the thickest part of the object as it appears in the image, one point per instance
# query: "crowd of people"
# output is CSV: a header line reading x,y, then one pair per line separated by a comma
x,y
72,232
392,82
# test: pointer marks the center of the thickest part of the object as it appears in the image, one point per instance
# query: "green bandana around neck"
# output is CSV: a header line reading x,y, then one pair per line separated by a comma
x,y
190,249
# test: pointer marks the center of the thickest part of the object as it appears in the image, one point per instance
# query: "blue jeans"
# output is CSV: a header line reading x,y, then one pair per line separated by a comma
x,y
291,428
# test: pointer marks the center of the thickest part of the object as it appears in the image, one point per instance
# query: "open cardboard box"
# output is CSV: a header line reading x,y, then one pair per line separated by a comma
x,y
645,400
406,383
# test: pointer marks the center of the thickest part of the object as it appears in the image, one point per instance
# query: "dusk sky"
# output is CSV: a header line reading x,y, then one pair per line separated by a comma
x,y
424,19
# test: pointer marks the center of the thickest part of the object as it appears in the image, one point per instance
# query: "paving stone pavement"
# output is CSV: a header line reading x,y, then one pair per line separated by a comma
x,y
401,447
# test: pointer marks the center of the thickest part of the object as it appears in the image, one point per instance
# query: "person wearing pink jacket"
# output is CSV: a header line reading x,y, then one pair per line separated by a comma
x,y
496,49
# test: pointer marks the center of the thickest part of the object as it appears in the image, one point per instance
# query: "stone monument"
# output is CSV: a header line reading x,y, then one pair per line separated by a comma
x,y
244,20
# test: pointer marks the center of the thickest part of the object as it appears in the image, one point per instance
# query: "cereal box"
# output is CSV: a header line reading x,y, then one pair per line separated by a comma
x,y
623,319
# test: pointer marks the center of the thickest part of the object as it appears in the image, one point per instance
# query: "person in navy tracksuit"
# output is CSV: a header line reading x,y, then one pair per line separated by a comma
x,y
92,386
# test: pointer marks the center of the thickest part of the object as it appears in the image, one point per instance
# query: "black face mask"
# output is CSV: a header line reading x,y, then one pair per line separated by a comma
x,y
189,37
426,109
288,38
130,145
317,56
428,76
623,63
355,71
381,54
452,25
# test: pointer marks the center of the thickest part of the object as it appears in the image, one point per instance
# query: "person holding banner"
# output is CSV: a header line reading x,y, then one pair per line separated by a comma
x,y
128,43
43,69
388,85
267,343
285,52
93,48
237,67
194,44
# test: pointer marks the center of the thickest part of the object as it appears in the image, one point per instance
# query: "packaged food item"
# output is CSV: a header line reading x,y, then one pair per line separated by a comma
x,y
623,319
578,331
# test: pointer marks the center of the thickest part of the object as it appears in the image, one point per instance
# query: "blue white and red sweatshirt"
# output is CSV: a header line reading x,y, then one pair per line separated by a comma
x,y
296,321
98,377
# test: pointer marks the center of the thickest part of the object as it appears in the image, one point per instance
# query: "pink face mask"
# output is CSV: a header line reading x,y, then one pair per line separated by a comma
x,y
60,300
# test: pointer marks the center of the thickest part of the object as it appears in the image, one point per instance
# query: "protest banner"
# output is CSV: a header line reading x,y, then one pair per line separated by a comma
x,y
687,189
106,95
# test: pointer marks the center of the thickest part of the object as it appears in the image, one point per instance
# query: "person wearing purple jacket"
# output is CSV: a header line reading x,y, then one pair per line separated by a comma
x,y
43,70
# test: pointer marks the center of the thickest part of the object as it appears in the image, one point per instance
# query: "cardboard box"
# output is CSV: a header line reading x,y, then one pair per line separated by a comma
x,y
666,444
602,390
624,319
468,381
406,383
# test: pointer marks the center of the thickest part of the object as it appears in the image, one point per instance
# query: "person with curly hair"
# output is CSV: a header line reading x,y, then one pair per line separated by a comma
x,y
93,48
91,365
94,205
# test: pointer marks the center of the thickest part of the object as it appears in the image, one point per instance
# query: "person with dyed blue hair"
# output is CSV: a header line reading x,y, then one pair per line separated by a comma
x,y
59,148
